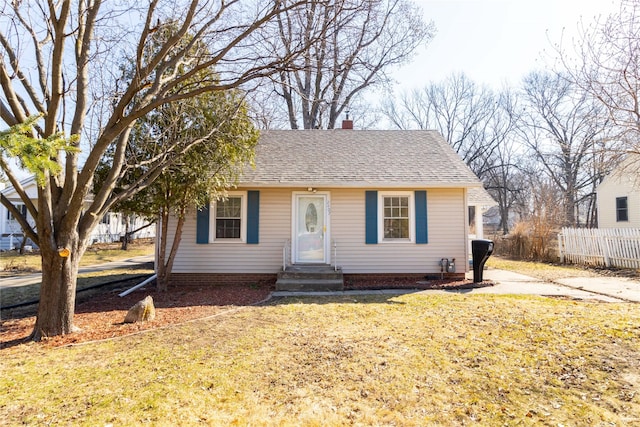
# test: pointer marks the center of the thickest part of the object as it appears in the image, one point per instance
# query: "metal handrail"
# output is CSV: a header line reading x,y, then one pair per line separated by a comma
x,y
335,255
285,250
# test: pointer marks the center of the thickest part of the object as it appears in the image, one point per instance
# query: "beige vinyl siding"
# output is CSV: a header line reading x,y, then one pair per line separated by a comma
x,y
612,187
240,257
446,229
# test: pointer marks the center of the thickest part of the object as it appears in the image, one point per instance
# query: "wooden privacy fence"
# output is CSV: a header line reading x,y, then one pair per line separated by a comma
x,y
608,247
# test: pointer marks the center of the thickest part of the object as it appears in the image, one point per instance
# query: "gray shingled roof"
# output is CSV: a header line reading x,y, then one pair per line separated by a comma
x,y
480,197
357,158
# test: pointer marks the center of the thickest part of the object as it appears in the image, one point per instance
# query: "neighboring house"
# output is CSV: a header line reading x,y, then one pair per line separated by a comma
x,y
618,196
110,229
10,230
374,203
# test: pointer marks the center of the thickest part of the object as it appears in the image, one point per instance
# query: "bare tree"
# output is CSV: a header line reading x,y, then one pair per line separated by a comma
x,y
468,116
357,43
61,59
501,171
564,128
608,68
476,121
540,218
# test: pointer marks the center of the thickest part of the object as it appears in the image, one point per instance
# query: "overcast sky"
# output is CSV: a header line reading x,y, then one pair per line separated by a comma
x,y
494,41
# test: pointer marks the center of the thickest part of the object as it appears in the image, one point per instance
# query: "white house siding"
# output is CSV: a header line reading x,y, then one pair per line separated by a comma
x,y
112,227
447,233
618,186
8,226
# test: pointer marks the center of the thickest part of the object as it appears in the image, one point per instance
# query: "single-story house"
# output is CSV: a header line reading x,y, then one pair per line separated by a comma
x,y
364,202
111,227
618,196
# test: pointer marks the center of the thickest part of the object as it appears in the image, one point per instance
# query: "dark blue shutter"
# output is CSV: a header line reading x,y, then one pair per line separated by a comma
x,y
202,225
422,235
253,217
371,217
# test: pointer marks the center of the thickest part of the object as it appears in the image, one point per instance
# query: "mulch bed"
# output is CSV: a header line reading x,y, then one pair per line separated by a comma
x,y
100,316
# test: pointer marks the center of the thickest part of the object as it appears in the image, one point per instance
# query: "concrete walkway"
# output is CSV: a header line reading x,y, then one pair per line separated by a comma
x,y
619,287
598,288
29,279
606,289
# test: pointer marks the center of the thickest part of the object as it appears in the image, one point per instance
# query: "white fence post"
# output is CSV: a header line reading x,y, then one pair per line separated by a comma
x,y
604,240
561,246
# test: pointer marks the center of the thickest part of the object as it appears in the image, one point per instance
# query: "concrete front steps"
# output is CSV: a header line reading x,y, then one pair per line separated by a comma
x,y
310,277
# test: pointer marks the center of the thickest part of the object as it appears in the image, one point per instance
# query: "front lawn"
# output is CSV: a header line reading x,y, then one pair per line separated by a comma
x,y
417,359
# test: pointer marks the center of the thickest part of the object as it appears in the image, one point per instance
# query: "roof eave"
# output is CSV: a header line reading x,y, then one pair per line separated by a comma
x,y
306,184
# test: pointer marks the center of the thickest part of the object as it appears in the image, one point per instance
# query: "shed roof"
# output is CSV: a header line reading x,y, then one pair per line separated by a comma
x,y
357,158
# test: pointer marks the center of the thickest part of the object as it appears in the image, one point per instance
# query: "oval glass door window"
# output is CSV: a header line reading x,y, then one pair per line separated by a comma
x,y
311,218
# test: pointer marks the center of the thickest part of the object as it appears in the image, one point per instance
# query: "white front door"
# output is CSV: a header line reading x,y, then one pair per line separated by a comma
x,y
310,236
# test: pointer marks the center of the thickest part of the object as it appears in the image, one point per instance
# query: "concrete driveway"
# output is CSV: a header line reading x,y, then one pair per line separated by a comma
x,y
609,289
619,287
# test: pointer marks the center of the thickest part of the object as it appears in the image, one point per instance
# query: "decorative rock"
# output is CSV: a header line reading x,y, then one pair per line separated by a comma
x,y
142,311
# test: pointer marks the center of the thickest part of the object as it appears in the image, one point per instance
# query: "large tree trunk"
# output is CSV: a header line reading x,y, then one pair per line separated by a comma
x,y
61,248
57,290
570,207
504,217
126,237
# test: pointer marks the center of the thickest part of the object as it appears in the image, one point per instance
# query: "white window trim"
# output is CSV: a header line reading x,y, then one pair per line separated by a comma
x,y
412,216
243,219
626,209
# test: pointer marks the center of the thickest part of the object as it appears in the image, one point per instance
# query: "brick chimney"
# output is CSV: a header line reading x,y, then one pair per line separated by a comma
x,y
346,123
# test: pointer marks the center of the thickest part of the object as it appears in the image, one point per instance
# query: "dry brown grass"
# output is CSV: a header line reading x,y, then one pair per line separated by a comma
x,y
414,360
551,272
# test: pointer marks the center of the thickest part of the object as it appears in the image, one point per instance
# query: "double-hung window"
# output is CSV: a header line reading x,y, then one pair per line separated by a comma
x,y
622,210
229,218
396,216
21,207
